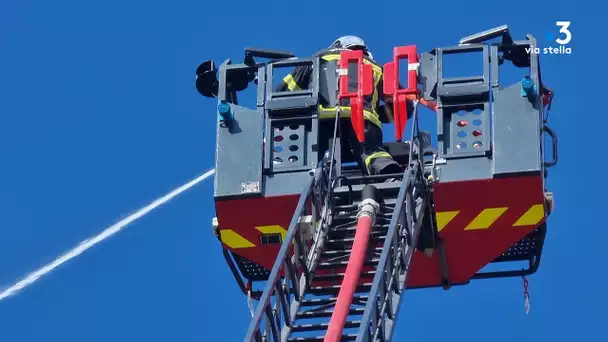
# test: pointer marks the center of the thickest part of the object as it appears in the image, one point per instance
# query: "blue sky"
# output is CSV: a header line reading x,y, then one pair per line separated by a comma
x,y
99,116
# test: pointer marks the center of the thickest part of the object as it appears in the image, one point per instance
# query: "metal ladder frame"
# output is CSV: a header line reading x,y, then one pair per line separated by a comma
x,y
380,312
296,268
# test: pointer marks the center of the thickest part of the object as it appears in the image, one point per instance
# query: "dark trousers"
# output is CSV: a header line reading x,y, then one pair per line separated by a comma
x,y
373,158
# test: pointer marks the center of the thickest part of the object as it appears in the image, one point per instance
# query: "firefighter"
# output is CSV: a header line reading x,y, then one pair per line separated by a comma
x,y
373,158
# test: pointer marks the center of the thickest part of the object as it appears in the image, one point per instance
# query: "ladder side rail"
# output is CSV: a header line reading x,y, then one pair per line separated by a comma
x,y
323,190
274,285
402,237
377,322
321,195
415,209
371,312
264,304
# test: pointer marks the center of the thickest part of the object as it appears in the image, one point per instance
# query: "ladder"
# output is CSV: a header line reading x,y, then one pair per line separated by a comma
x,y
301,292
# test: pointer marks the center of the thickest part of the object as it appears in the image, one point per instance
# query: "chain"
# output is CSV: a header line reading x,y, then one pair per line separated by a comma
x,y
526,295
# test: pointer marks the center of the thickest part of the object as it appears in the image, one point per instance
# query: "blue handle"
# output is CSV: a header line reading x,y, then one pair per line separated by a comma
x,y
528,88
224,111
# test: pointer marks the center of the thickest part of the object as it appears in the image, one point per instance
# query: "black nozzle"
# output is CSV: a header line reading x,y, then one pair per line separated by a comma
x,y
371,192
206,79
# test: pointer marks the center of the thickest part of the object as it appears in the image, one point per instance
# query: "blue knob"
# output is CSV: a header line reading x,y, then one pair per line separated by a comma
x,y
528,88
224,111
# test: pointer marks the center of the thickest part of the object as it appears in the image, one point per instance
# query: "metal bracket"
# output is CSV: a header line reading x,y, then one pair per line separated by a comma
x,y
500,31
365,86
289,100
473,86
392,86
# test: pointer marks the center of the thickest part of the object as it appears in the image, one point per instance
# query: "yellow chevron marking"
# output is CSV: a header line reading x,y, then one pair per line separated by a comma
x,y
485,219
444,218
274,229
233,239
532,216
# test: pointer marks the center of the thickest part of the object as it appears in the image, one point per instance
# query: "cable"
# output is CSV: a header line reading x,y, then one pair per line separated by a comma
x,y
108,232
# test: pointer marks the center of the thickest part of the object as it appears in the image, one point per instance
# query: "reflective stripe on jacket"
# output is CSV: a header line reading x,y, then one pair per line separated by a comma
x,y
300,79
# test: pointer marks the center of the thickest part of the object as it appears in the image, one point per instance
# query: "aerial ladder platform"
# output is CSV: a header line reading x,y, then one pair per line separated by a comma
x,y
325,250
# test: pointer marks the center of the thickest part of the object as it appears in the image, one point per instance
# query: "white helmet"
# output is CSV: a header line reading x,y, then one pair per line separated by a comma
x,y
351,43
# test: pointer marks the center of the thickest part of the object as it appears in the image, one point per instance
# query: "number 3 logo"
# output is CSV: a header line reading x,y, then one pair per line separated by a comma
x,y
564,29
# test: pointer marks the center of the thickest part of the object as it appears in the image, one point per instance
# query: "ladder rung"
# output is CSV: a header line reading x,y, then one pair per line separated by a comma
x,y
350,231
334,289
338,220
326,313
322,326
325,301
337,253
349,337
339,276
348,207
351,240
333,264
345,217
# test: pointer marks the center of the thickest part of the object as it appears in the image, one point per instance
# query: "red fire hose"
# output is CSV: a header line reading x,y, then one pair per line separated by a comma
x,y
365,221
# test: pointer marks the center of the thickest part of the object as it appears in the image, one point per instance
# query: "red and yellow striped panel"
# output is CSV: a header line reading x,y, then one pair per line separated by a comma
x,y
487,217
234,240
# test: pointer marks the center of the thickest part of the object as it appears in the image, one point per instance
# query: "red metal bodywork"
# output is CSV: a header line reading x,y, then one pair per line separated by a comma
x,y
244,215
467,251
